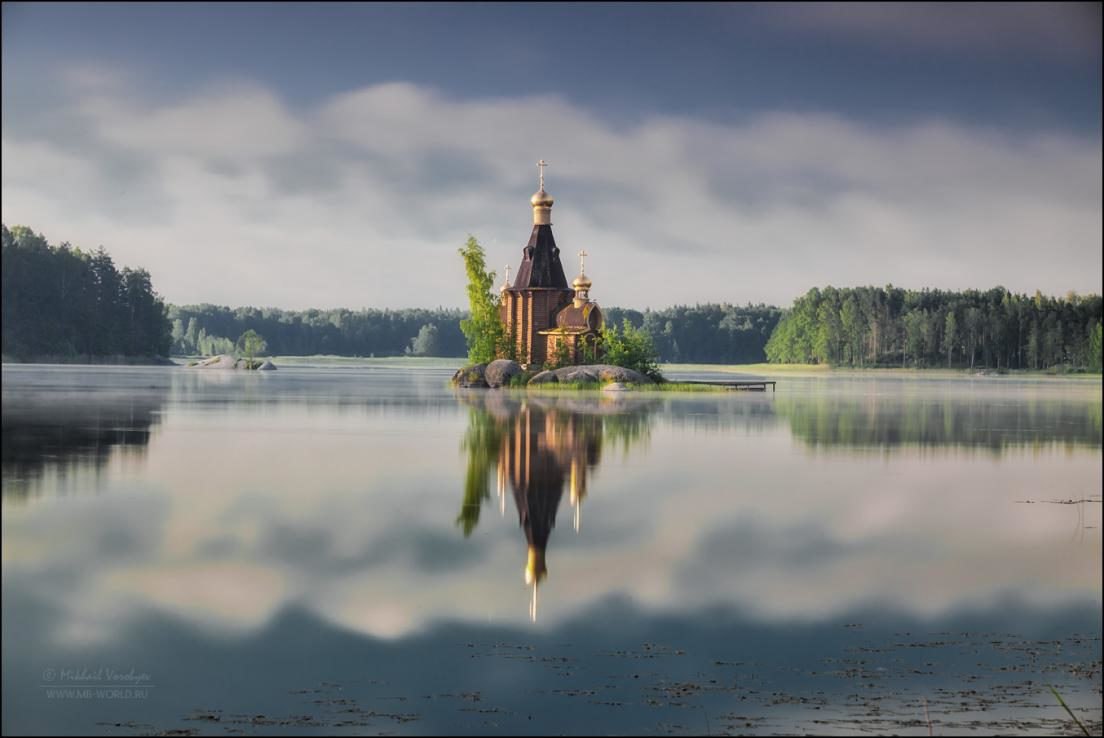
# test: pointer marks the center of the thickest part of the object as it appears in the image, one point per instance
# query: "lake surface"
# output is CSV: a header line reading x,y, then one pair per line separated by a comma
x,y
360,549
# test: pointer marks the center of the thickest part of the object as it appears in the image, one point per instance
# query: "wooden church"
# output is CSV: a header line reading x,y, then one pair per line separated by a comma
x,y
540,312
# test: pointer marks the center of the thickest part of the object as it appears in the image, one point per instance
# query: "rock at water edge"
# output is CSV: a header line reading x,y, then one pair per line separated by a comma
x,y
500,371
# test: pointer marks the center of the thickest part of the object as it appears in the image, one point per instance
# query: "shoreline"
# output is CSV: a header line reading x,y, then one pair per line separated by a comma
x,y
449,362
84,360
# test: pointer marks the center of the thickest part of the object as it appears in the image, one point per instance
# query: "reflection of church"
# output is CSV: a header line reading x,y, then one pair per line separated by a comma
x,y
543,450
538,447
543,316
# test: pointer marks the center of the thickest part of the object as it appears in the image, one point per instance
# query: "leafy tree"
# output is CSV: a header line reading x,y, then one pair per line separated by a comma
x,y
250,344
425,343
483,330
590,350
1034,345
828,335
950,335
191,334
177,334
973,332
916,330
1095,358
851,324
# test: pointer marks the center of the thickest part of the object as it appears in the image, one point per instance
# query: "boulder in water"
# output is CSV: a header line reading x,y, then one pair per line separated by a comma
x,y
610,373
471,376
499,372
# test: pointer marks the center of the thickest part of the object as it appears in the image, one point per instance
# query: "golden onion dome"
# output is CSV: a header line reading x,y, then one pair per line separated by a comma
x,y
541,198
582,282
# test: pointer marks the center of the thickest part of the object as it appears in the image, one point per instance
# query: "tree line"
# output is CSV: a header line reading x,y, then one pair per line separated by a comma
x,y
62,302
701,333
890,326
212,329
705,334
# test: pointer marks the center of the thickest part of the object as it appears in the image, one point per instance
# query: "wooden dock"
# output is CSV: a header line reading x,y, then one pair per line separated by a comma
x,y
753,385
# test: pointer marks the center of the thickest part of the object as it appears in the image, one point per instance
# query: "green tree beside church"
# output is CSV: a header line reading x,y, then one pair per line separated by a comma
x,y
483,329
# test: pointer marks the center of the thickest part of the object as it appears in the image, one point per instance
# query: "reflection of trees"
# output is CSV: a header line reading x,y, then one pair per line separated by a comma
x,y
537,447
72,433
994,423
389,391
481,441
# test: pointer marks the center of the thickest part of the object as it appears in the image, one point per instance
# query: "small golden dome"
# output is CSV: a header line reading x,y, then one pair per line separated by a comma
x,y
582,282
541,198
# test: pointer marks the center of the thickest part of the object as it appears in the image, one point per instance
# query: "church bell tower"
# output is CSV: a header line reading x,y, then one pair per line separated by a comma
x,y
540,289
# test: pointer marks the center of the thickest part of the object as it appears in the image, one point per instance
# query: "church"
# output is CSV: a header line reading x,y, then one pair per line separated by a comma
x,y
544,318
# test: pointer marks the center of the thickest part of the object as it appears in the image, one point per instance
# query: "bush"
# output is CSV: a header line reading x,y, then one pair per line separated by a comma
x,y
559,357
631,348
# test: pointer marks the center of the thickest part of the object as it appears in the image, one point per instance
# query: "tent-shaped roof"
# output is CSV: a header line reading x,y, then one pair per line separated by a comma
x,y
540,265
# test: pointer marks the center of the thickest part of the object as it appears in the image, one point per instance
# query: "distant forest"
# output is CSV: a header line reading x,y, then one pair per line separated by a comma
x,y
704,333
60,302
212,329
890,326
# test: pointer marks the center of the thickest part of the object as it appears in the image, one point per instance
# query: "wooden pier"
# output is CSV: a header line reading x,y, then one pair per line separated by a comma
x,y
753,385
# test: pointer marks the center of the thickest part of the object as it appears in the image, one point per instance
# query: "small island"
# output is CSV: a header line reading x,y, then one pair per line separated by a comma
x,y
539,330
249,345
508,373
229,361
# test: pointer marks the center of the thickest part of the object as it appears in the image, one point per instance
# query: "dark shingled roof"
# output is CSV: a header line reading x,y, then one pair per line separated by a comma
x,y
541,265
585,318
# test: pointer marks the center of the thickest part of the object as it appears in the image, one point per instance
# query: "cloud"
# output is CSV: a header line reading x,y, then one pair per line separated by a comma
x,y
219,126
233,196
1066,31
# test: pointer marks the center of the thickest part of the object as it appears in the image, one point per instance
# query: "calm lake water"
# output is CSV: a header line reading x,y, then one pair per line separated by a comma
x,y
364,550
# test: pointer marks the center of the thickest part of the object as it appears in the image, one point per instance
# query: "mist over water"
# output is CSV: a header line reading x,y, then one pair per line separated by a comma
x,y
363,549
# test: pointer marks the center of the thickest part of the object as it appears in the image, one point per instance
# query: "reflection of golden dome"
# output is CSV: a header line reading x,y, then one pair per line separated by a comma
x,y
535,568
582,282
542,199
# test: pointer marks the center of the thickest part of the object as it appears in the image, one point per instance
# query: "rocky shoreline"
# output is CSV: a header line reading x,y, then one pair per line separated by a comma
x,y
226,361
507,373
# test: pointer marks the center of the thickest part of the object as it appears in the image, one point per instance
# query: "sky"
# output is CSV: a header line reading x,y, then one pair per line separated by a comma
x,y
338,155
